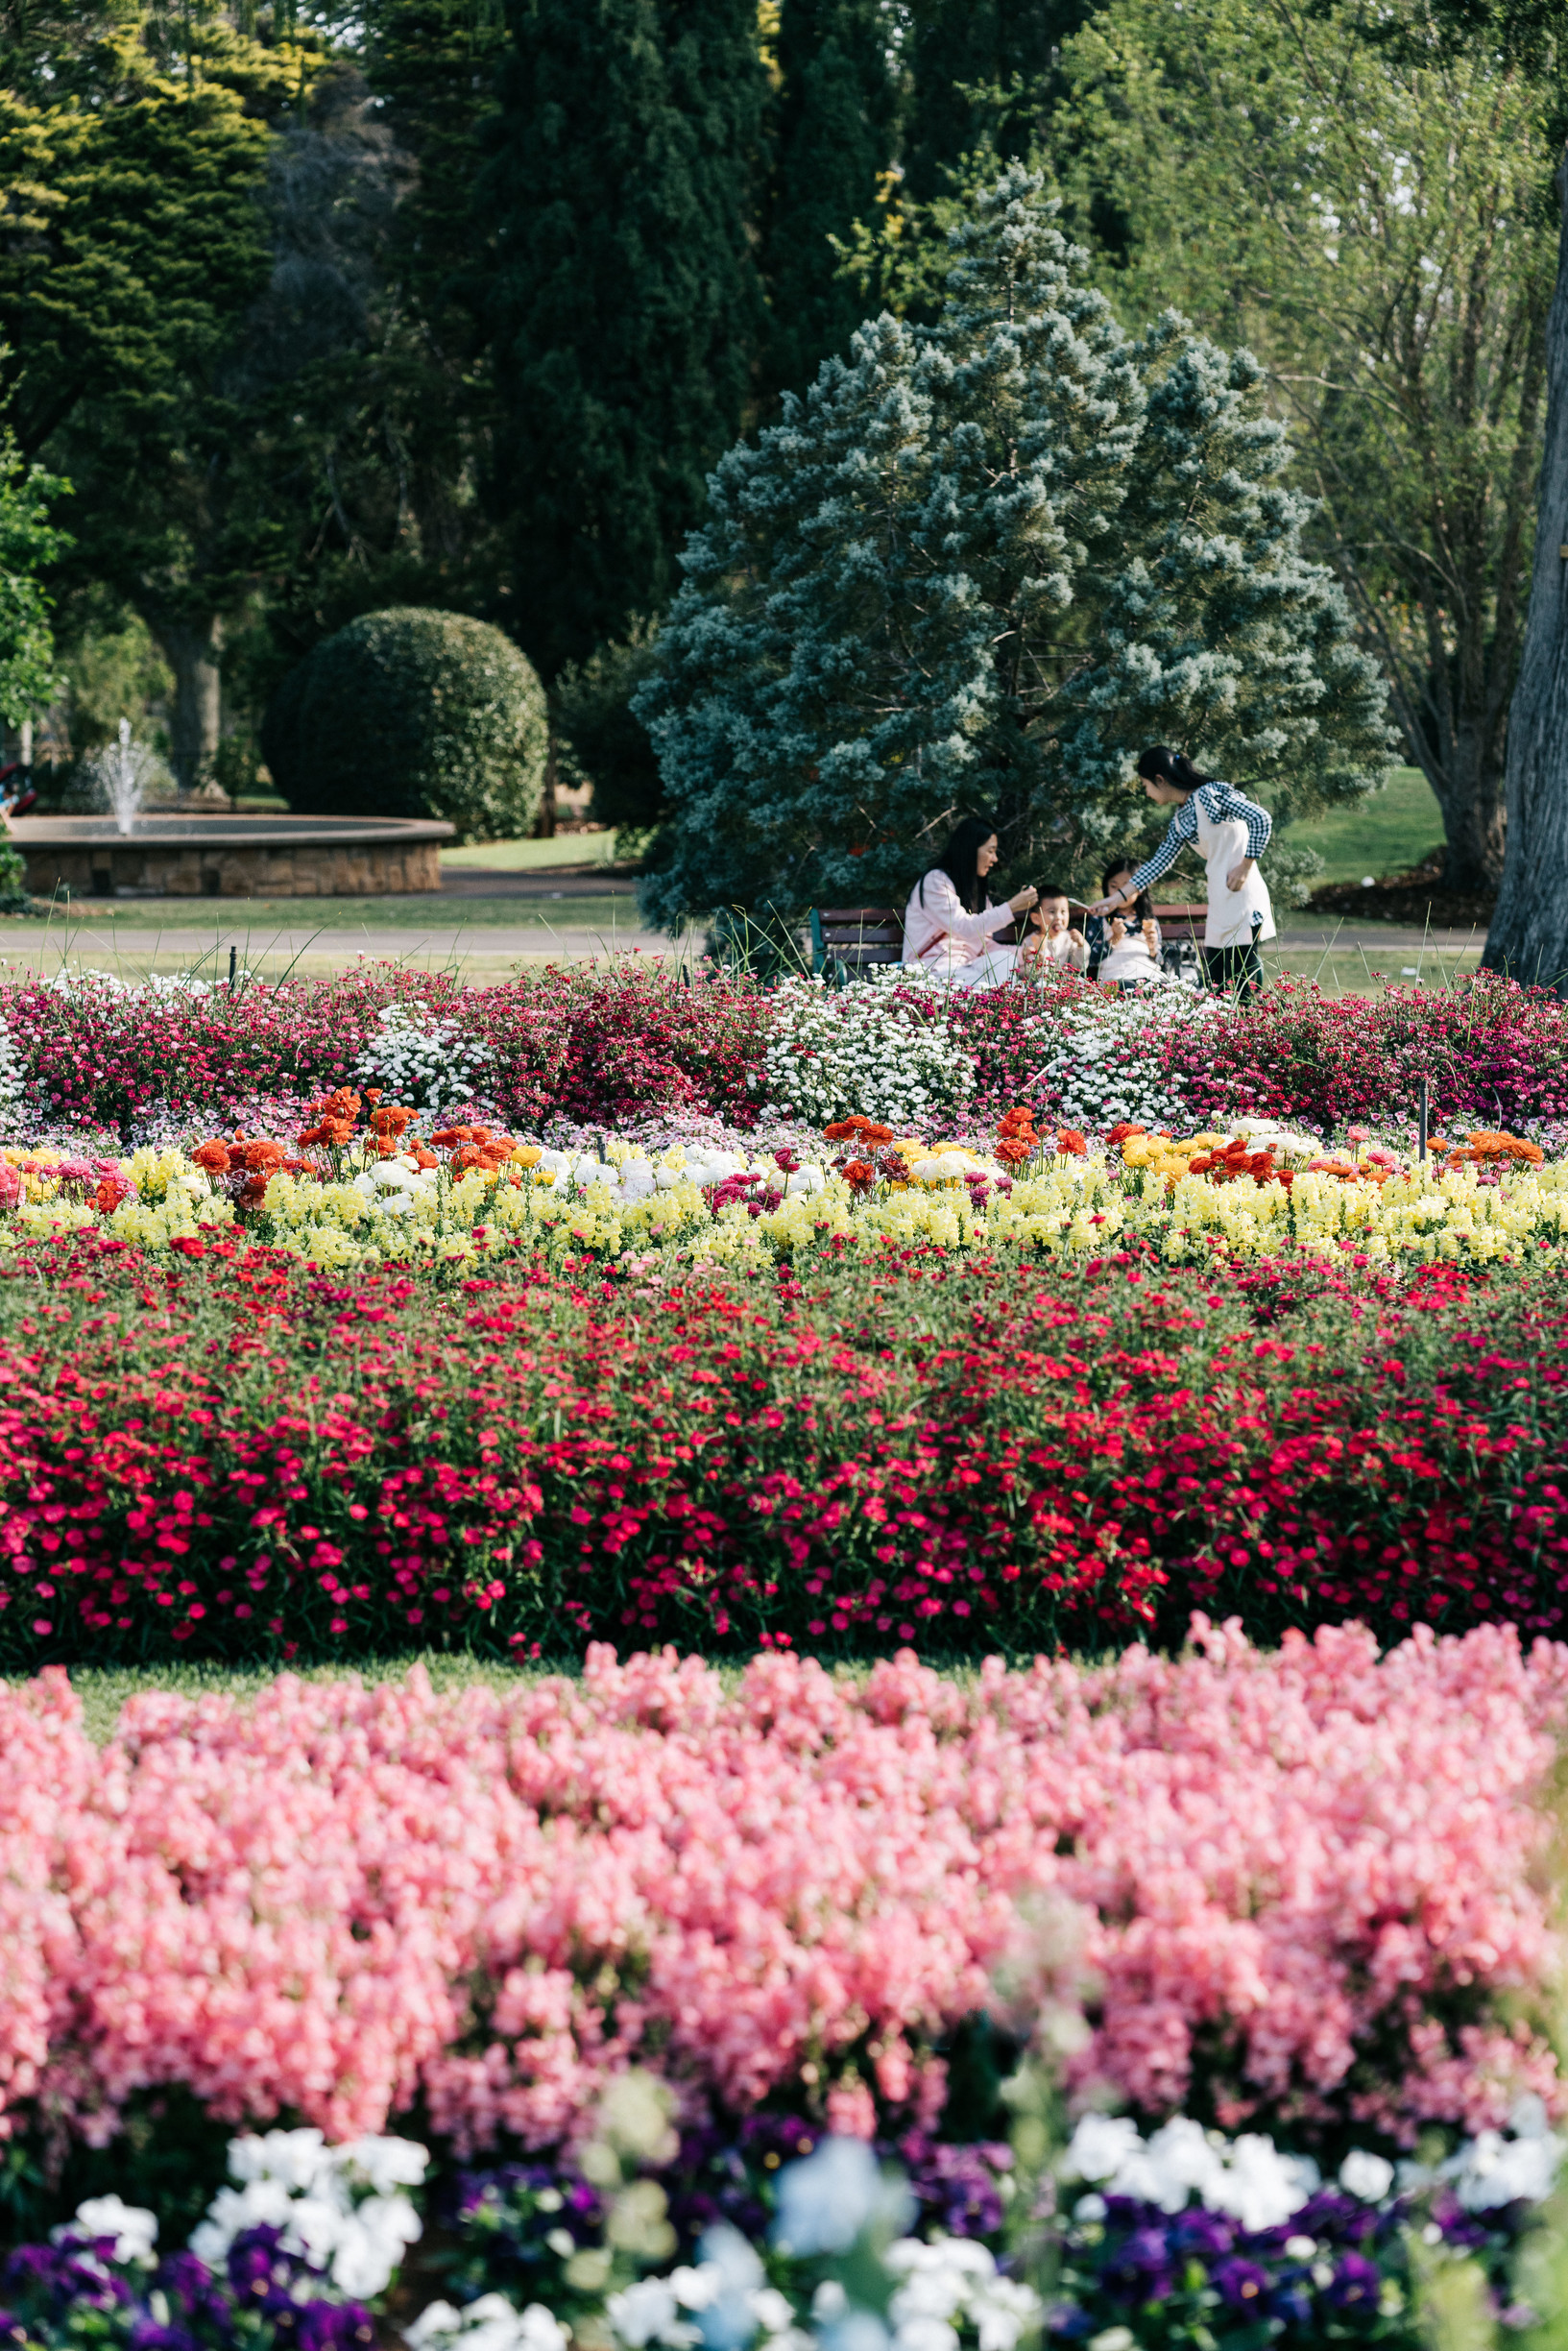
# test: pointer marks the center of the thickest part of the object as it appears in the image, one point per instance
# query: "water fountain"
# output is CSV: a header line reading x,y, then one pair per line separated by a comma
x,y
136,853
123,778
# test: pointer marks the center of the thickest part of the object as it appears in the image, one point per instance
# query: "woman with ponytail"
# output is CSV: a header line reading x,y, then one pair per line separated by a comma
x,y
1230,834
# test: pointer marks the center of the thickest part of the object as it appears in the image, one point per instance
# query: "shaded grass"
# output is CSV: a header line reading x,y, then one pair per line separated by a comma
x,y
533,856
1387,832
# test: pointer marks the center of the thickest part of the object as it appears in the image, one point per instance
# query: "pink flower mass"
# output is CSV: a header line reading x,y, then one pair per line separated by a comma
x,y
1304,1884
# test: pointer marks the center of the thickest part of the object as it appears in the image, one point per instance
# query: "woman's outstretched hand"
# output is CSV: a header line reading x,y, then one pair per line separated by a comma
x,y
1021,900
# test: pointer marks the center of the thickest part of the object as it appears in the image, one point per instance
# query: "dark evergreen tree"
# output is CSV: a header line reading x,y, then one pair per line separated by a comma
x,y
833,133
627,302
961,47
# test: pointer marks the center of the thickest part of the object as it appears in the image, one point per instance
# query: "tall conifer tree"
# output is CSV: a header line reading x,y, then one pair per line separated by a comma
x,y
834,137
628,308
958,46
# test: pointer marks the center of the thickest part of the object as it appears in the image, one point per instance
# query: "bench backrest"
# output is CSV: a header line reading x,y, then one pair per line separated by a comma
x,y
856,936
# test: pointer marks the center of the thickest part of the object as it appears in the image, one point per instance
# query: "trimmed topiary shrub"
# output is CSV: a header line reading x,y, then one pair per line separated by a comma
x,y
410,713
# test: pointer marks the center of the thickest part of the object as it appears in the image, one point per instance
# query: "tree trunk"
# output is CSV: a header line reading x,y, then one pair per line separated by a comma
x,y
544,821
193,649
1470,789
1529,936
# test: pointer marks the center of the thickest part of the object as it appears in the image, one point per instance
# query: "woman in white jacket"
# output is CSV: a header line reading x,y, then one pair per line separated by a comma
x,y
950,924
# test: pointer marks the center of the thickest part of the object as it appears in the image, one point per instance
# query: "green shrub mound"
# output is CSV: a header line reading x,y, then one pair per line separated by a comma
x,y
410,713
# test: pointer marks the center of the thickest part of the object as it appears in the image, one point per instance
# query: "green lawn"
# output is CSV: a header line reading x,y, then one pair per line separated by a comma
x,y
104,1690
530,856
1385,834
258,918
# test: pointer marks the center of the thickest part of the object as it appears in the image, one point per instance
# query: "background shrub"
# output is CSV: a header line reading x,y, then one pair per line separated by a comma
x,y
410,713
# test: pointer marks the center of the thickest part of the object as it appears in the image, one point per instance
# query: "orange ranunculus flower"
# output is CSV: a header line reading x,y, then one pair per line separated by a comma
x,y
1015,1150
212,1157
260,1157
1121,1134
859,1174
1070,1144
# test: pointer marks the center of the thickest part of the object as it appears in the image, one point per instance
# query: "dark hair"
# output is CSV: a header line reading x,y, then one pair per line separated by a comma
x,y
1054,889
1142,906
958,860
1171,768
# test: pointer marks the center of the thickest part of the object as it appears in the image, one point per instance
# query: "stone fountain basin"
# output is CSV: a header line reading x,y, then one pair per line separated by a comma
x,y
176,856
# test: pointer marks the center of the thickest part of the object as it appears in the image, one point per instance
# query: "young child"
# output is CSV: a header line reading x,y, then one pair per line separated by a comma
x,y
1129,949
1062,948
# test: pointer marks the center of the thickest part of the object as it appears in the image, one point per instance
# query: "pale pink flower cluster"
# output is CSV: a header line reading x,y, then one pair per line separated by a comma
x,y
329,1899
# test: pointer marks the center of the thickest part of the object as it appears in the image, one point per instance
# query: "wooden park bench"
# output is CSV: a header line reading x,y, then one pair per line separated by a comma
x,y
848,941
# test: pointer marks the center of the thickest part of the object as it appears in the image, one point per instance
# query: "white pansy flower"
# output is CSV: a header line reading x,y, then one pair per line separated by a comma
x,y
1366,2175
1490,2171
135,2231
492,2323
648,2312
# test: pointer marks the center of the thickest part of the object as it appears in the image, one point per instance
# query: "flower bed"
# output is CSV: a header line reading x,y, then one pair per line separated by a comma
x,y
241,1456
1202,1883
346,1195
629,1041
799,2242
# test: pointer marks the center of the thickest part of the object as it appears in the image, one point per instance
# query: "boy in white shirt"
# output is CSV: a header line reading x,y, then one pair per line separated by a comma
x,y
1063,948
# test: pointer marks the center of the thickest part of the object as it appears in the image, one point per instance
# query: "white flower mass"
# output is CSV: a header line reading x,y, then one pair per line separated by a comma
x,y
876,1049
341,2208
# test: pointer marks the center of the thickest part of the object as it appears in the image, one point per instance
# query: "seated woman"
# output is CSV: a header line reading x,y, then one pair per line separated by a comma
x,y
1129,949
950,924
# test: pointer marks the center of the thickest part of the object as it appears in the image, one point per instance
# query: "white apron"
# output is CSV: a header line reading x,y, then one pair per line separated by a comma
x,y
1231,919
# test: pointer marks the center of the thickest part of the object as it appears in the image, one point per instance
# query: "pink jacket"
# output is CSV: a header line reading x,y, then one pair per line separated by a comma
x,y
928,928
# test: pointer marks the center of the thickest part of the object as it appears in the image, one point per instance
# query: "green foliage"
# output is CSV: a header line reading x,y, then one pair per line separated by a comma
x,y
13,897
112,671
413,714
599,742
130,237
979,70
627,306
27,543
978,567
834,126
1371,213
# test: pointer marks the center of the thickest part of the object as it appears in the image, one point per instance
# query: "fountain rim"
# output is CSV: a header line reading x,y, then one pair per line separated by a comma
x,y
168,827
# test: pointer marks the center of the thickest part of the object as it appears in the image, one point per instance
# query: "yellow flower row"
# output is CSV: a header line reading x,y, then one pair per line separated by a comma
x,y
1070,1207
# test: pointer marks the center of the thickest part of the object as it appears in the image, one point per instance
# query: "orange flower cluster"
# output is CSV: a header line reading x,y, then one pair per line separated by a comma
x,y
858,1129
336,1118
256,1160
1237,1160
1485,1146
475,1147
387,1127
1016,1138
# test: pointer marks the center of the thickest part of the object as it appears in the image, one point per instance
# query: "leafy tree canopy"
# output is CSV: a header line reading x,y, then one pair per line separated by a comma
x,y
29,543
1370,209
979,565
